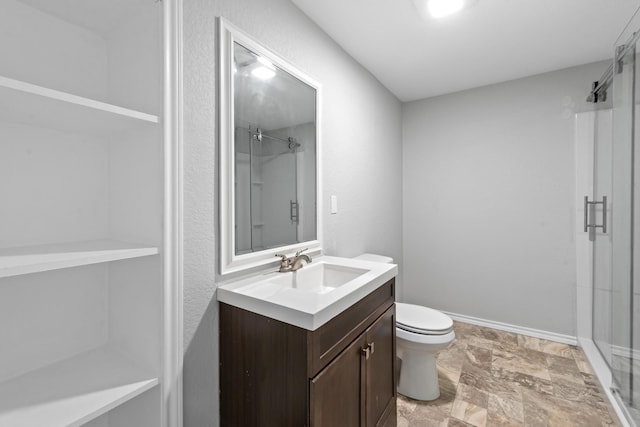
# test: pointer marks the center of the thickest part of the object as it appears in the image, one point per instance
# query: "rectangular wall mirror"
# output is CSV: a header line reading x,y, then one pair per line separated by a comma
x,y
269,154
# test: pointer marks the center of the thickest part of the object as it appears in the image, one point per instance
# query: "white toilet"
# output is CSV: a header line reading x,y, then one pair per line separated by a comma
x,y
420,333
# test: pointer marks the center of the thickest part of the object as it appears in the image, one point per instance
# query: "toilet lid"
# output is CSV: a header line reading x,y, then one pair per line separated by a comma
x,y
422,320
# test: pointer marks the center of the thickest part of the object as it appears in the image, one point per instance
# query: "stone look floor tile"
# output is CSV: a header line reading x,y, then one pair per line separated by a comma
x,y
556,348
543,409
581,361
509,410
454,422
545,346
449,375
469,413
492,385
406,406
473,395
453,357
522,360
524,380
531,343
563,370
477,360
494,378
495,419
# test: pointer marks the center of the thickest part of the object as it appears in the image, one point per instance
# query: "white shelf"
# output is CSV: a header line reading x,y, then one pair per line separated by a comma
x,y
25,103
71,392
33,259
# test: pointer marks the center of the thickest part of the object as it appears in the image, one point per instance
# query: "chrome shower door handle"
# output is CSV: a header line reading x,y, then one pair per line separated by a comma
x,y
293,211
586,213
604,214
587,205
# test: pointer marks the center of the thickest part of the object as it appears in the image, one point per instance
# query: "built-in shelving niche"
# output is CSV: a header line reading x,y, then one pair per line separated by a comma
x,y
81,263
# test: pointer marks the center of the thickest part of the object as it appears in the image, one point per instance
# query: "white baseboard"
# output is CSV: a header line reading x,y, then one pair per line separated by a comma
x,y
621,351
537,333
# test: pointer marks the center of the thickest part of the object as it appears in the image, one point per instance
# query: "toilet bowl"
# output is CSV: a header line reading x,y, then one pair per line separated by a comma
x,y
420,333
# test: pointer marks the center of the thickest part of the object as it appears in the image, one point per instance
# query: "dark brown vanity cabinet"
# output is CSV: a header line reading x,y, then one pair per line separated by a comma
x,y
340,375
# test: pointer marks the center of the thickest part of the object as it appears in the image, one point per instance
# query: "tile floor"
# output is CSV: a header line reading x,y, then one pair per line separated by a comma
x,y
496,378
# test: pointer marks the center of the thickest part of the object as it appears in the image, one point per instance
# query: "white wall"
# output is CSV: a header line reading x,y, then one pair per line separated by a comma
x,y
361,137
488,184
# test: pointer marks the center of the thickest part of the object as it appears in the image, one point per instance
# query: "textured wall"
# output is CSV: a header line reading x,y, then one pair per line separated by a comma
x,y
361,157
489,200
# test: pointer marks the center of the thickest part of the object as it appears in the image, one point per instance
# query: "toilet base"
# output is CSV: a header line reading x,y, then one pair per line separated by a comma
x,y
418,376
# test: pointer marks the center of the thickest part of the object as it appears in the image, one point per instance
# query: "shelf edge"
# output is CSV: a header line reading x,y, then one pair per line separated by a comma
x,y
65,97
107,255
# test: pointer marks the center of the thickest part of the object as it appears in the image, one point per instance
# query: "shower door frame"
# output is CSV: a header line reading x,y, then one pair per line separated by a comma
x,y
586,134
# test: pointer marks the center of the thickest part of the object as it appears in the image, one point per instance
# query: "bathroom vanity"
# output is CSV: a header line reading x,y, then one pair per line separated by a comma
x,y
311,346
273,373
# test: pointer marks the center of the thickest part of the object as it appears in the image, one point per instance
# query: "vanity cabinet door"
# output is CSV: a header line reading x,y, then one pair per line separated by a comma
x,y
357,389
380,371
336,393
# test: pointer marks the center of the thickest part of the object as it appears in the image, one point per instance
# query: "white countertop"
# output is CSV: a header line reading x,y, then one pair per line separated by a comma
x,y
265,295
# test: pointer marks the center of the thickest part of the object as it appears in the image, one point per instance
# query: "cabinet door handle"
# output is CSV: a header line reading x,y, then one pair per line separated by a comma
x,y
368,350
365,351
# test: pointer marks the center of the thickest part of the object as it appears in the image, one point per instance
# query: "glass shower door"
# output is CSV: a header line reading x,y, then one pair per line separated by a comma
x,y
601,237
624,225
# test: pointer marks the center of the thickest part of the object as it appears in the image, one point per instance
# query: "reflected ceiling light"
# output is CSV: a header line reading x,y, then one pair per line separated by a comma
x,y
265,70
264,61
263,73
440,8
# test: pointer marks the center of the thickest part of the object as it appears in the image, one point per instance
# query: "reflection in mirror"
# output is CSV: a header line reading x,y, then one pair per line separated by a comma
x,y
274,145
269,155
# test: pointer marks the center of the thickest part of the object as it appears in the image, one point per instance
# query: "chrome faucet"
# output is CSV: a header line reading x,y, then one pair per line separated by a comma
x,y
293,263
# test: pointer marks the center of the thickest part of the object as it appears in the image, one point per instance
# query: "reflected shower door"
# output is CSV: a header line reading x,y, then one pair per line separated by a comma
x,y
266,190
279,205
242,187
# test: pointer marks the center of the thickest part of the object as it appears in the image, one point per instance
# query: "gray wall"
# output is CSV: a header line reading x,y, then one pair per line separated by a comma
x,y
361,156
488,184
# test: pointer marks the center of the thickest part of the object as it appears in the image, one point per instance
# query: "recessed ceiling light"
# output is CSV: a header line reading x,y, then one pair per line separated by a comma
x,y
442,8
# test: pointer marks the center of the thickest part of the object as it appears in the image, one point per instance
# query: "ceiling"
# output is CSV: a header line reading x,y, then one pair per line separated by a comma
x,y
490,42
94,15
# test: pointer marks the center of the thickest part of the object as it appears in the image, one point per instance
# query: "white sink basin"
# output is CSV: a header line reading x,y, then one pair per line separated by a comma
x,y
318,278
311,296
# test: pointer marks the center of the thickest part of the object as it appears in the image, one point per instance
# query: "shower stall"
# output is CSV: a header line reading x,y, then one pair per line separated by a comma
x,y
608,228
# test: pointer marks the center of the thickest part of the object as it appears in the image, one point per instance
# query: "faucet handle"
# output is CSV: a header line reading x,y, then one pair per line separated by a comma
x,y
285,260
285,263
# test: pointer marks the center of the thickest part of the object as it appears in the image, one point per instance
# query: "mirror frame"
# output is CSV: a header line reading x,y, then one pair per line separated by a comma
x,y
229,261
